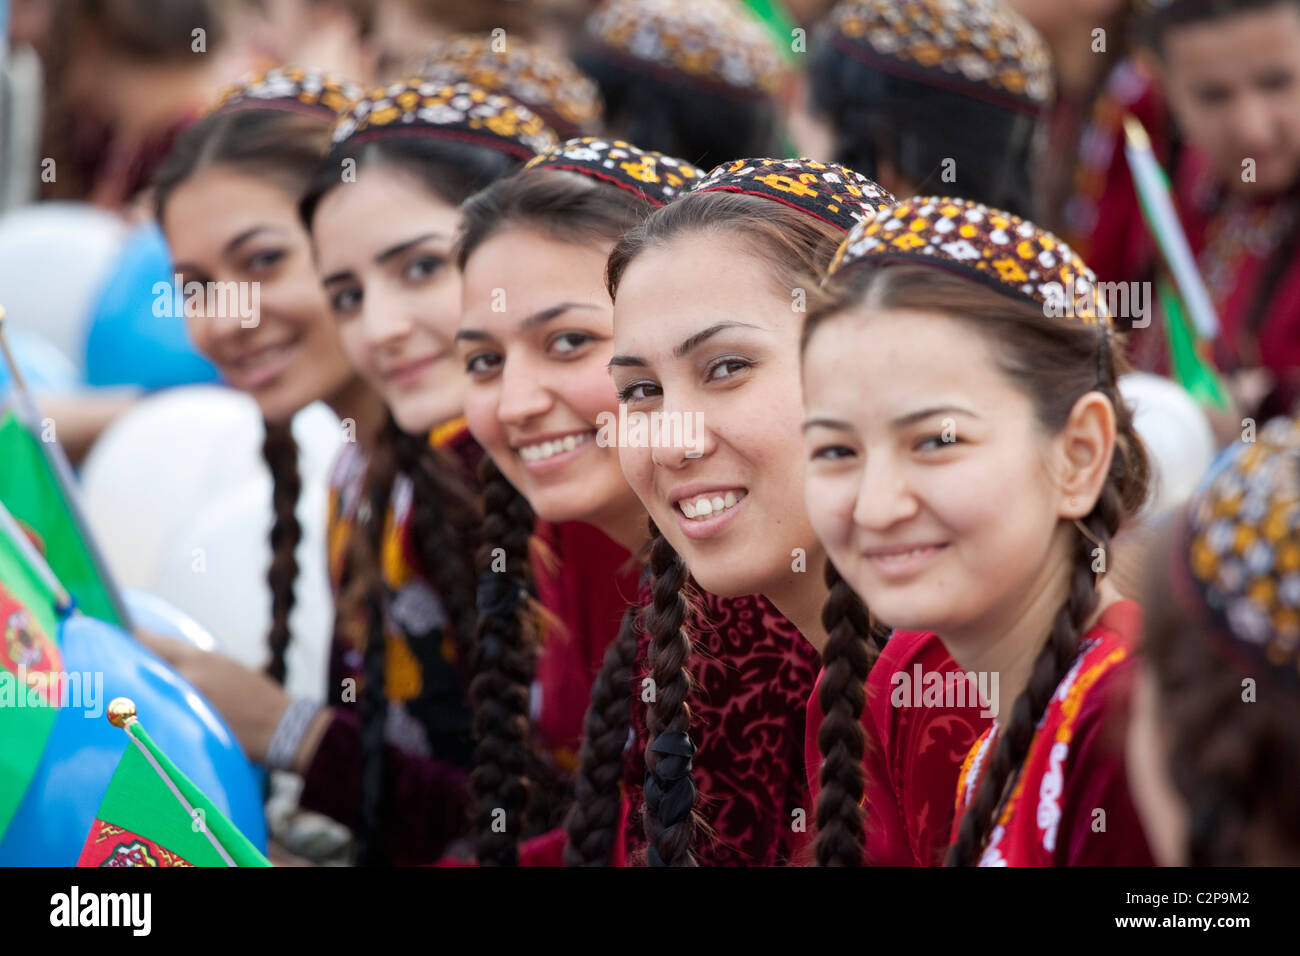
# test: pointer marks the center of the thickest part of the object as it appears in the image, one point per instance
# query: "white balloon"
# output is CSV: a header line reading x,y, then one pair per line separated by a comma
x,y
179,498
1177,435
54,259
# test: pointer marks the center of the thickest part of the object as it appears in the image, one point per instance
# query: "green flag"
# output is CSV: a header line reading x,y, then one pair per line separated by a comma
x,y
152,815
34,492
28,649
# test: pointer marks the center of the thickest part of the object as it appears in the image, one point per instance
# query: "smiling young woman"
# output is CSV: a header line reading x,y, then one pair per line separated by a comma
x,y
744,251
382,211
226,197
938,389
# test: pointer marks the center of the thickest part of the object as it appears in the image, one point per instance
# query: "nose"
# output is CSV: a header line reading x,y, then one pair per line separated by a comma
x,y
677,436
884,497
1252,123
385,321
523,394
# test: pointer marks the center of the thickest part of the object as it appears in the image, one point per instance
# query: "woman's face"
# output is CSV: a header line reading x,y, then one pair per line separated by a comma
x,y
1162,811
1234,86
226,227
535,339
707,344
928,475
383,251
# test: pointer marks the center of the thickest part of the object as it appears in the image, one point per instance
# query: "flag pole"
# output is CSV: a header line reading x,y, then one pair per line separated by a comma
x,y
9,526
121,714
62,471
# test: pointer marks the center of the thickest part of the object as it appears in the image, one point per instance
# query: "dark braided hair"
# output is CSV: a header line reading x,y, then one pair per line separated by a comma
x,y
798,247
853,644
443,522
1054,362
281,454
592,823
361,606
669,815
505,662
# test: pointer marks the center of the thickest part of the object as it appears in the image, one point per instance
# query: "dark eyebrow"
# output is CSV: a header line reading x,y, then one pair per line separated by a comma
x,y
913,417
540,317
699,338
688,346
825,423
401,247
247,234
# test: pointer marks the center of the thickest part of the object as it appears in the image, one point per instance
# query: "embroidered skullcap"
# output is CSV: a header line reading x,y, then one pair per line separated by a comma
x,y
290,88
995,248
548,84
829,191
649,174
976,47
714,42
1243,548
461,112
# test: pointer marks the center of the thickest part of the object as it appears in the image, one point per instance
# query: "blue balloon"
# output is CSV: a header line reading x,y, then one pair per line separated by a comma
x,y
154,614
127,343
39,361
52,822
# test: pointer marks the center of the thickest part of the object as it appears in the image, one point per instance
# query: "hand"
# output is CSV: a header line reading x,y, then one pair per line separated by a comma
x,y
251,703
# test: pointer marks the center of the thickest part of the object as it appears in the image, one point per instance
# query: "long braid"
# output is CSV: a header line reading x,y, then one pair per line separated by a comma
x,y
670,817
362,602
505,662
852,647
445,523
592,823
281,454
1050,668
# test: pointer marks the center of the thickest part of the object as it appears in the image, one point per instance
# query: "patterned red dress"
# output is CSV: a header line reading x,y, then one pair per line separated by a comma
x,y
1070,805
914,754
753,672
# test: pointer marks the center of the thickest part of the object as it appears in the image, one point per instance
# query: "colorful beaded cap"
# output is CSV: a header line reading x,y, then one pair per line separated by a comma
x,y
829,191
1243,534
290,88
651,175
548,84
713,41
974,46
461,111
1000,250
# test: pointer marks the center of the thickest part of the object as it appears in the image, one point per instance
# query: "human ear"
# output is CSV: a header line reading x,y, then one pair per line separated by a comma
x,y
1086,446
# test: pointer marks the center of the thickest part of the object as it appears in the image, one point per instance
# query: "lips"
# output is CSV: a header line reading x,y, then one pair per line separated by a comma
x,y
704,510
259,367
409,373
897,561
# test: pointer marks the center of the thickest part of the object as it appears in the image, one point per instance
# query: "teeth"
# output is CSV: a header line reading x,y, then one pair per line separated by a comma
x,y
706,506
903,554
546,449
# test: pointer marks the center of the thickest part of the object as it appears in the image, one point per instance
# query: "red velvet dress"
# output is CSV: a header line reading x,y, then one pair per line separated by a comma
x,y
753,672
1070,805
914,754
